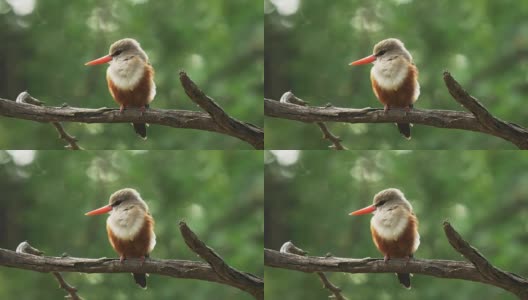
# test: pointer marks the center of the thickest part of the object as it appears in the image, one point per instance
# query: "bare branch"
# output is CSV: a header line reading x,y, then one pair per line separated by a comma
x,y
289,247
65,286
509,131
289,97
480,120
215,120
484,273
244,281
72,141
506,280
221,272
25,247
245,131
26,98
327,135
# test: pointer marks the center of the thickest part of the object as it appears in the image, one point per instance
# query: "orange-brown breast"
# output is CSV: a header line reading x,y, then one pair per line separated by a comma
x,y
138,246
403,95
137,96
402,247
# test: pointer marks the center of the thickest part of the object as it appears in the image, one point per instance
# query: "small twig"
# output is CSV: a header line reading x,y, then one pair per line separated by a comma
x,y
327,135
26,98
290,248
26,248
68,138
331,287
245,131
64,285
245,281
290,98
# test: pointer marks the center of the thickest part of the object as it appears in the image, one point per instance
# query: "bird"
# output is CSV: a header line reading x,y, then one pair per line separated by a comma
x,y
394,78
394,227
130,77
130,227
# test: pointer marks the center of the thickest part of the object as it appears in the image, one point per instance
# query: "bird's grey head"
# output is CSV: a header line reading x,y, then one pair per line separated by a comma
x,y
390,49
126,49
125,198
391,198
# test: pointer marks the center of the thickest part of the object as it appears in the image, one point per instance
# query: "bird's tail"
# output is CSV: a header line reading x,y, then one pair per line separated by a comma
x,y
405,129
141,279
404,278
140,129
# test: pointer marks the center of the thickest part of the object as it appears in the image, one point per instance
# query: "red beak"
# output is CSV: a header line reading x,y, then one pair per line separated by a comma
x,y
99,61
99,211
363,211
364,60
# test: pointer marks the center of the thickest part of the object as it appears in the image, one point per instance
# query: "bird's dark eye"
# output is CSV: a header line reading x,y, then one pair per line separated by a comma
x,y
380,203
117,203
117,52
381,52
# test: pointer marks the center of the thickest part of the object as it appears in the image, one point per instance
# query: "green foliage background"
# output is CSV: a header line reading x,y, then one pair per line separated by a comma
x,y
484,44
218,193
218,43
482,193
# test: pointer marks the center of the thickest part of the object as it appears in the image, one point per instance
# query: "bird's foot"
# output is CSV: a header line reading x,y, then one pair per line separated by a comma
x,y
408,259
385,108
142,258
121,108
386,258
122,258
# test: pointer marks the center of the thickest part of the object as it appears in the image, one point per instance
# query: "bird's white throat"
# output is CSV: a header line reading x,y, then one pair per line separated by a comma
x,y
126,74
125,225
390,74
390,225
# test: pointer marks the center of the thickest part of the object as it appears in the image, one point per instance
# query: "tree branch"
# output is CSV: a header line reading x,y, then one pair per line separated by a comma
x,y
479,270
290,248
166,267
244,131
509,131
506,280
289,97
215,120
244,281
25,247
479,120
26,98
72,141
